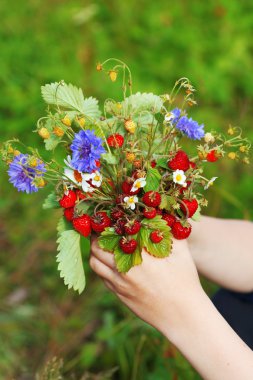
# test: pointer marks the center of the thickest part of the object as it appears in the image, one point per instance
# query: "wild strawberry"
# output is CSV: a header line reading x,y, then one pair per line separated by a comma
x,y
189,207
149,213
120,199
159,211
170,219
139,174
128,246
137,164
156,236
80,195
212,156
180,161
119,227
97,163
68,200
180,232
183,189
192,165
82,224
116,140
153,164
126,188
132,227
116,213
152,199
100,221
69,213
130,126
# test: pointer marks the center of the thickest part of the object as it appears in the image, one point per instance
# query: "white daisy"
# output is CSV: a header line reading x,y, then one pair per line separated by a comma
x,y
76,177
140,182
209,183
169,117
96,179
130,202
179,177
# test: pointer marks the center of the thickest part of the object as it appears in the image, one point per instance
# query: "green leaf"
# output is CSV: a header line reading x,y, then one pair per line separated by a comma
x,y
153,179
70,260
83,206
162,163
63,225
70,98
124,261
142,102
161,249
196,217
167,202
51,202
108,240
110,158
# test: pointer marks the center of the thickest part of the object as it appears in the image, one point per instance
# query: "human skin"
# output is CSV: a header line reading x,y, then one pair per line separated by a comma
x,y
222,251
167,294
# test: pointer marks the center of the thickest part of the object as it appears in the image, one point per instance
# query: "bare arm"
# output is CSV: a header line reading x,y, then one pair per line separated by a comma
x,y
167,294
223,251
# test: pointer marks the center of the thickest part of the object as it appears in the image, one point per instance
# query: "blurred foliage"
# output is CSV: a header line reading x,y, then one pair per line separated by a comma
x,y
46,41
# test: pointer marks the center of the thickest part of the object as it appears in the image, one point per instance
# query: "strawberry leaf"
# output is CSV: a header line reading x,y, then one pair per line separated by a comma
x,y
161,249
162,163
167,202
50,202
108,239
70,260
153,179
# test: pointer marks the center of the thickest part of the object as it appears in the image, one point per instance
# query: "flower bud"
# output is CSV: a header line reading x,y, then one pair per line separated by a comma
x,y
232,155
231,131
99,67
81,121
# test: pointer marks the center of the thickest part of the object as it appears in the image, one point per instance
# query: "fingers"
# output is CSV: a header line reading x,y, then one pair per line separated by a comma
x,y
105,257
101,269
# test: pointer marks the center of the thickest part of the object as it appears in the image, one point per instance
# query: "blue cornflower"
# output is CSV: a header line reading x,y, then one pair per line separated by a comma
x,y
26,173
176,115
190,128
87,149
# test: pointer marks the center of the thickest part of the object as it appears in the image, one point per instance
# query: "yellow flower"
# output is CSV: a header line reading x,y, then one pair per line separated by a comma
x,y
66,121
232,155
113,75
43,132
231,131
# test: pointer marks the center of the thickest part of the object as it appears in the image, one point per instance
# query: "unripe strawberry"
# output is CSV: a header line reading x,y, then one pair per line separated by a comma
x,y
58,131
130,157
66,121
137,164
113,75
99,67
43,132
130,126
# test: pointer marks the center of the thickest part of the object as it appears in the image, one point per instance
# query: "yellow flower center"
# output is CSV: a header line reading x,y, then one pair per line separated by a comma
x,y
178,177
131,200
97,178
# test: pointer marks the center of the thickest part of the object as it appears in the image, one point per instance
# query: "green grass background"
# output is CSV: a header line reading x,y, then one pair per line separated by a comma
x,y
46,41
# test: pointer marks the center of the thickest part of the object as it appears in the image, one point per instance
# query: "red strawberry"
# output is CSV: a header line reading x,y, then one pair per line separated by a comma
x,y
159,211
152,199
98,163
180,161
69,213
80,195
119,227
116,213
68,200
132,227
156,236
128,246
192,165
126,188
180,232
183,189
120,199
116,140
82,225
189,206
149,213
100,221
213,156
170,219
153,164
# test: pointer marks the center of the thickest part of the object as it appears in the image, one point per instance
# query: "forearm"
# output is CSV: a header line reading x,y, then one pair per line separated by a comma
x,y
222,251
207,341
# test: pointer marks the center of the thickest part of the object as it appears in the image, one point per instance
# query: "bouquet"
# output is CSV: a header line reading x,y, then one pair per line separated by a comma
x,y
120,172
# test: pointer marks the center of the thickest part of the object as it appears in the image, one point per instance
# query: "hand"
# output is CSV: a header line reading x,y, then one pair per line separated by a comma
x,y
159,290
